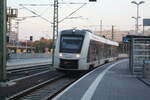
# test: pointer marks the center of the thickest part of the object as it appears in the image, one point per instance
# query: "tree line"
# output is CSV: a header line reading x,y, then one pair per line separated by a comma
x,y
42,44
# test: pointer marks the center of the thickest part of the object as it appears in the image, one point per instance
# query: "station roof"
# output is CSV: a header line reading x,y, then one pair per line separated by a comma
x,y
137,36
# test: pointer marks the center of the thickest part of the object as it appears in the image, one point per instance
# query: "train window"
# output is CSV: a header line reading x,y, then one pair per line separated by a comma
x,y
71,44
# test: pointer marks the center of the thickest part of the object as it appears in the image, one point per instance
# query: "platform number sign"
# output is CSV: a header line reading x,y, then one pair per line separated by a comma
x,y
125,39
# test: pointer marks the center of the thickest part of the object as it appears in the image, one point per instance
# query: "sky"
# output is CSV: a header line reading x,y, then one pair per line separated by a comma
x,y
111,12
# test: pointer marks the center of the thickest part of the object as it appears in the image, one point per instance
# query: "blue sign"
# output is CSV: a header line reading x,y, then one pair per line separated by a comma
x,y
125,39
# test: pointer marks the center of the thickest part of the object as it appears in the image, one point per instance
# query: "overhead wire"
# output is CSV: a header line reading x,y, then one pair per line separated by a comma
x,y
44,11
75,17
37,14
72,13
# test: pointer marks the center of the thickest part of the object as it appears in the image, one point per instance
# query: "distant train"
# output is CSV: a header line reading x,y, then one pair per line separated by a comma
x,y
82,50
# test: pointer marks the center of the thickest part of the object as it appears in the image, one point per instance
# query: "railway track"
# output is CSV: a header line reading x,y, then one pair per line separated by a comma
x,y
43,86
24,72
45,90
25,69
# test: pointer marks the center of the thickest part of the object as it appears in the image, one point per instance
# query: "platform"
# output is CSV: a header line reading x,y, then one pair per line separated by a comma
x,y
110,82
22,63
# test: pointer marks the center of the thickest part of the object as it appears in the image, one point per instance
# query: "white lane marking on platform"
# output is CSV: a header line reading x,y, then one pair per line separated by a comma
x,y
89,93
60,94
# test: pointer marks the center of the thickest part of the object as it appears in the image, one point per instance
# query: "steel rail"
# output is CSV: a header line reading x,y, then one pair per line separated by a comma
x,y
27,69
34,88
49,97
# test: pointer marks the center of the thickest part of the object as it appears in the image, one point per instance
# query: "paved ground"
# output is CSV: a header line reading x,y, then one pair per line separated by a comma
x,y
111,82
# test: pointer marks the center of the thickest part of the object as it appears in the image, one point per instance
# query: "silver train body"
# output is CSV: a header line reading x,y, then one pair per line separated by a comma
x,y
82,50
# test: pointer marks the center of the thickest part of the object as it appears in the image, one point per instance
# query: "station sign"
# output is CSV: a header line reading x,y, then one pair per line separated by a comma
x,y
146,22
125,39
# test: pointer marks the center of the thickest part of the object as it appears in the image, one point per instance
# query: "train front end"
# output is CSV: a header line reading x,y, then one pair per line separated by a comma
x,y
68,50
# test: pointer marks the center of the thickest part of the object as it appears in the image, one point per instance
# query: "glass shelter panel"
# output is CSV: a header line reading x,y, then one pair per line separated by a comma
x,y
141,52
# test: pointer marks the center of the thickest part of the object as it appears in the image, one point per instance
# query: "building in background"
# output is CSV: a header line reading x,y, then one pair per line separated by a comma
x,y
117,35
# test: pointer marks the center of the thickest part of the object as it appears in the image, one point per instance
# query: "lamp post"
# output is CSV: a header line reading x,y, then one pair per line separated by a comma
x,y
137,18
136,21
101,25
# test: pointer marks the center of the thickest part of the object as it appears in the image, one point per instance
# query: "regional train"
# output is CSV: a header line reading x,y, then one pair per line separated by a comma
x,y
82,50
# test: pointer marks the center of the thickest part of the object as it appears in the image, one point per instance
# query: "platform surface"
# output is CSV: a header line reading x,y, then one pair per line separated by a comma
x,y
110,82
23,63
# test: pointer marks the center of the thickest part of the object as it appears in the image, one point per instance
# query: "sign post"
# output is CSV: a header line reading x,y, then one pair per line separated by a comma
x,y
2,40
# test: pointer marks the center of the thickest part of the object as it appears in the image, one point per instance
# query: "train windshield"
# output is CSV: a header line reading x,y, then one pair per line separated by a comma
x,y
70,44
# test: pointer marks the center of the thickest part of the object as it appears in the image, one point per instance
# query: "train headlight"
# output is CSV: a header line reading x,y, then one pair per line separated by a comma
x,y
60,54
77,55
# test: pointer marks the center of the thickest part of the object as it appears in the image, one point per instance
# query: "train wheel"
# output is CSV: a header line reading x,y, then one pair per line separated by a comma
x,y
91,67
106,61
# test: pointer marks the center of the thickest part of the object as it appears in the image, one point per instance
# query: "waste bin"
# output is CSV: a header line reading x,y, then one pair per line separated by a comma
x,y
147,69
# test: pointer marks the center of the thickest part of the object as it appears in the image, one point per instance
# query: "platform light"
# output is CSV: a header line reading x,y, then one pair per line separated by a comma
x,y
137,18
60,54
77,55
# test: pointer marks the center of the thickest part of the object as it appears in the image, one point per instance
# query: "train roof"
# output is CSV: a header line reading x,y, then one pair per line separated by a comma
x,y
73,31
93,36
103,40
